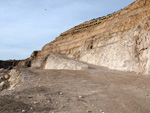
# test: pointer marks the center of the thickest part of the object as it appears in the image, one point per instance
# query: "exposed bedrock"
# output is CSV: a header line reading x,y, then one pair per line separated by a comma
x,y
55,61
127,51
118,41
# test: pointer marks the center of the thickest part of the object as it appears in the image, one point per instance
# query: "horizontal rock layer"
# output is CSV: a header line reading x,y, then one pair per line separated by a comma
x,y
89,34
118,41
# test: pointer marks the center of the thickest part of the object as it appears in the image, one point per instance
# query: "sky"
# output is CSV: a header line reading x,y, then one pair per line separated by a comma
x,y
27,25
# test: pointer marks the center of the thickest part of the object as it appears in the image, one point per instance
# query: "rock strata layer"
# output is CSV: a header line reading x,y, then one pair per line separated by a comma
x,y
118,41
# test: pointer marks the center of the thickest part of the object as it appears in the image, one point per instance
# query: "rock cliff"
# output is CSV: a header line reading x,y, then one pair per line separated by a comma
x,y
119,41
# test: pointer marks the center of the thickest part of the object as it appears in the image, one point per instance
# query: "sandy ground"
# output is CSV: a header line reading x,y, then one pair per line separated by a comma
x,y
96,90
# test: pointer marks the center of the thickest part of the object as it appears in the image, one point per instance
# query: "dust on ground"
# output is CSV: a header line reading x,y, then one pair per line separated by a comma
x,y
95,90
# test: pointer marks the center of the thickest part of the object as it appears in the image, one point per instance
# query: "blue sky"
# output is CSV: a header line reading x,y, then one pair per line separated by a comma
x,y
27,25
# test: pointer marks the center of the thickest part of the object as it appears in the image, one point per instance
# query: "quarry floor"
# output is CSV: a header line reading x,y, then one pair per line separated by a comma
x,y
95,90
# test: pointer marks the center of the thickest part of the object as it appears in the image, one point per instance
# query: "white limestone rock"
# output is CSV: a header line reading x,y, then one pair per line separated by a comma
x,y
59,62
128,51
14,79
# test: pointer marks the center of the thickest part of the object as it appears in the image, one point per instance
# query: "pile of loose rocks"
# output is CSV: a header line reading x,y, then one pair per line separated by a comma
x,y
4,76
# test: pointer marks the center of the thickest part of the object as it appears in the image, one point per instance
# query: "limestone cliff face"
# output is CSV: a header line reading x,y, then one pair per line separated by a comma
x,y
118,41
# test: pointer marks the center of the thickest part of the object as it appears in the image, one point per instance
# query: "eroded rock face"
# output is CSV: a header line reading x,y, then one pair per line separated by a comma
x,y
119,41
131,53
86,35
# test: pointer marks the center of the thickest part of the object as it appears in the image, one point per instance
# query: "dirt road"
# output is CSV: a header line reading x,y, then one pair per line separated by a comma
x,y
96,90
